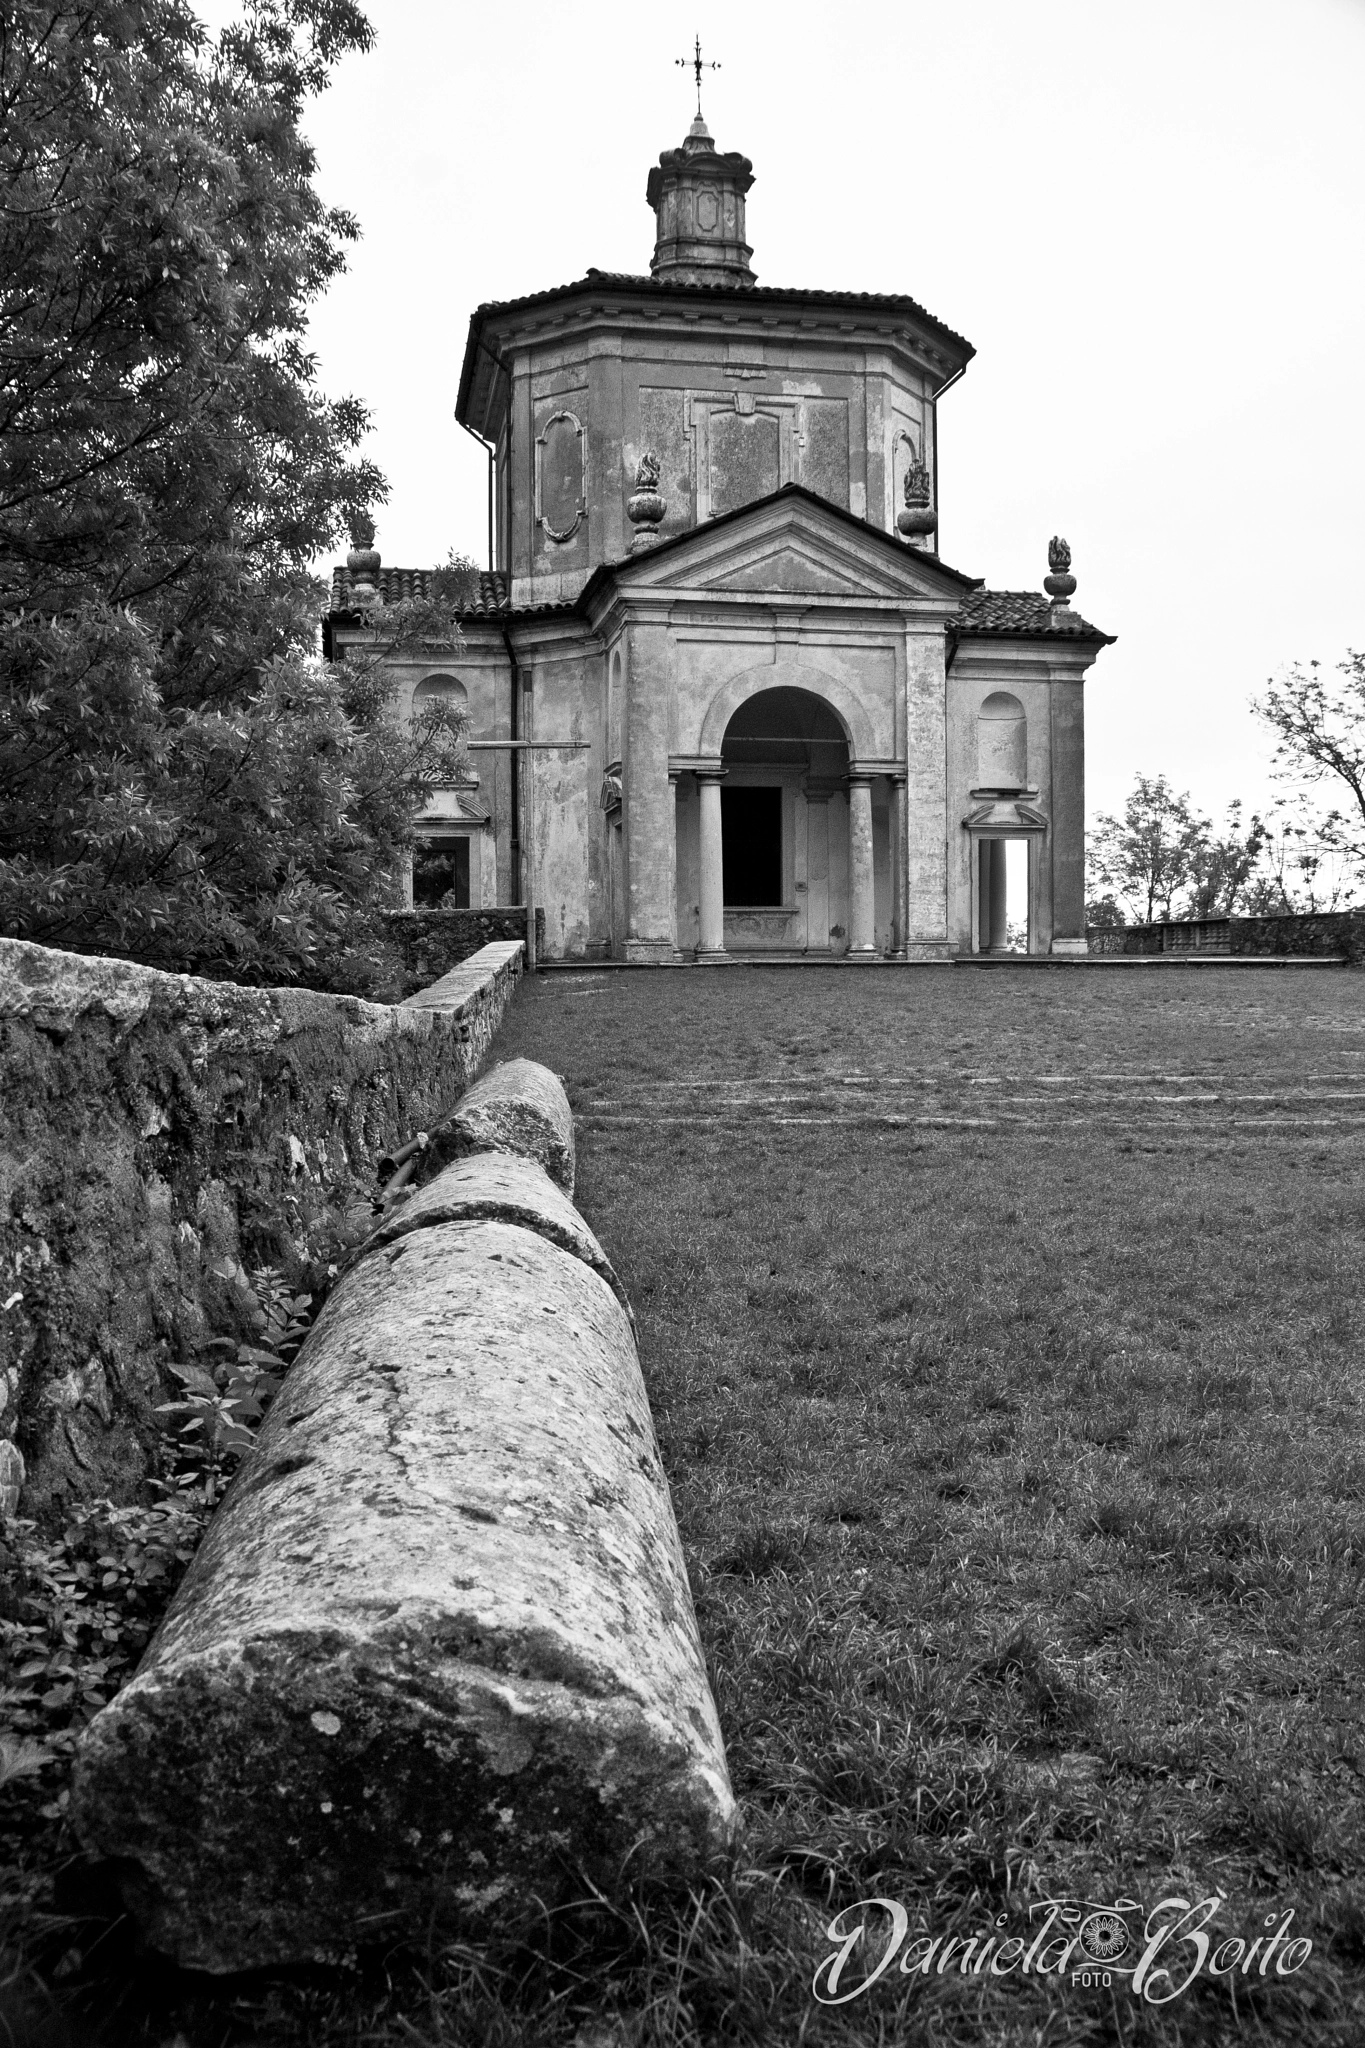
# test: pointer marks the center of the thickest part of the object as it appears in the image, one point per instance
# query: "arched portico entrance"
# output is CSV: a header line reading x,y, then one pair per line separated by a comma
x,y
789,848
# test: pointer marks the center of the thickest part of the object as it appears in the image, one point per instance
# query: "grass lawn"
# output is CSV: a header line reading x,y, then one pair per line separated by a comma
x,y
1004,1336
1003,1332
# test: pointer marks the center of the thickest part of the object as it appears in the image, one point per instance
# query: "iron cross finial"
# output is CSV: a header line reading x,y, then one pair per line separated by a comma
x,y
695,63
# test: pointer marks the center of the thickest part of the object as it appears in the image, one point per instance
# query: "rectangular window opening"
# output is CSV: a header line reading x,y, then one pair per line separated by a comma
x,y
440,874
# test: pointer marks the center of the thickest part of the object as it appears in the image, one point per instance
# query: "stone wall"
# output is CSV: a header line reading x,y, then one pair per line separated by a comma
x,y
158,1131
433,941
1336,934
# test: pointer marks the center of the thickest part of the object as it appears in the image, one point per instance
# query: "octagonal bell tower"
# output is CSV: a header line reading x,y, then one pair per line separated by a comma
x,y
698,198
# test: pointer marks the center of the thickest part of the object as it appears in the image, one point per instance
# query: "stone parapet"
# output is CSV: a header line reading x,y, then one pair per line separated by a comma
x,y
436,1661
1332,934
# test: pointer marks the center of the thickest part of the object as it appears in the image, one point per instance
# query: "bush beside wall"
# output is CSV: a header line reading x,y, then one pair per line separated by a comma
x,y
156,1127
433,941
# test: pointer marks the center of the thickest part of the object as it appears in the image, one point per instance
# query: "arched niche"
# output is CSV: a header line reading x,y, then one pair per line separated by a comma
x,y
446,692
1001,743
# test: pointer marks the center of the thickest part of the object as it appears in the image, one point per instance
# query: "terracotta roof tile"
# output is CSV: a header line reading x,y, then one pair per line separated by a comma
x,y
1022,611
402,586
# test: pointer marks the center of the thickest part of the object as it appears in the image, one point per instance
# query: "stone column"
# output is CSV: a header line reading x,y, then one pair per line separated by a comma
x,y
436,1661
674,777
898,865
862,937
999,895
712,943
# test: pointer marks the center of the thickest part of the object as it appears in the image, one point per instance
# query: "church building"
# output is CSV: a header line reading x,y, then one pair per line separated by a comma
x,y
724,697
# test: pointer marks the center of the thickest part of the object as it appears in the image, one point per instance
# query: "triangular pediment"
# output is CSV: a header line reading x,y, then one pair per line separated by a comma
x,y
791,565
794,544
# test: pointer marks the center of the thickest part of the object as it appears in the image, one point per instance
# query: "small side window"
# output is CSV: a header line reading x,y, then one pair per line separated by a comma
x,y
440,873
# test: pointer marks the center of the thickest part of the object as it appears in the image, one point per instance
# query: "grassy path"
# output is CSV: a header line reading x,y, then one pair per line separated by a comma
x,y
1004,1334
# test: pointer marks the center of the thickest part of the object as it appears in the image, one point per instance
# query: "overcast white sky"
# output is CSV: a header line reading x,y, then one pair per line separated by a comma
x,y
1146,217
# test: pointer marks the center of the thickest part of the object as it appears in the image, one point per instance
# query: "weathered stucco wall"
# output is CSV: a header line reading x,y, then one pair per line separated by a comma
x,y
155,1126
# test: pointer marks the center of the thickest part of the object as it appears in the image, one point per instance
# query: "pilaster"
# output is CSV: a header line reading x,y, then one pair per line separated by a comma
x,y
648,800
1066,704
522,466
607,541
926,793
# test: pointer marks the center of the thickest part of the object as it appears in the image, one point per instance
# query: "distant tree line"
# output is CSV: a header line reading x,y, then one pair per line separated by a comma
x,y
1161,858
182,780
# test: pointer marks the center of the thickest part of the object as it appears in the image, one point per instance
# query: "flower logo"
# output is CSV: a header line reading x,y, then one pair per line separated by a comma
x,y
1104,1937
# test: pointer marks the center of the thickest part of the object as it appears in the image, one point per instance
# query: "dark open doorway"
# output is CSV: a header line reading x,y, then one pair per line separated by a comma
x,y
751,845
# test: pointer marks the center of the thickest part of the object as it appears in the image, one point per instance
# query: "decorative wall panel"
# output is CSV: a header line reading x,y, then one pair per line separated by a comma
x,y
560,503
745,458
824,453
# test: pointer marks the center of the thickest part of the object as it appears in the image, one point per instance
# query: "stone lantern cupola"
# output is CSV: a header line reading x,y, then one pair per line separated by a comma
x,y
698,199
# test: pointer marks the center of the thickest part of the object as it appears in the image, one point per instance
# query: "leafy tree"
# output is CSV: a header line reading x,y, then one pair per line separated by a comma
x,y
1223,864
1147,856
456,581
1300,870
1102,908
1319,725
180,780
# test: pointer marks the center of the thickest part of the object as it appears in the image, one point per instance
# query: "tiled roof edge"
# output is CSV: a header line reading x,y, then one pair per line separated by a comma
x,y
622,282
1024,614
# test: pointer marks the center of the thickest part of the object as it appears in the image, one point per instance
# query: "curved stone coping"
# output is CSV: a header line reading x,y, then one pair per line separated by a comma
x,y
436,1659
518,1107
501,1186
158,1125
455,989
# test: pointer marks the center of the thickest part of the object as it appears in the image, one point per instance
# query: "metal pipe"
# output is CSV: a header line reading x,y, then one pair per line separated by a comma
x,y
388,1162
